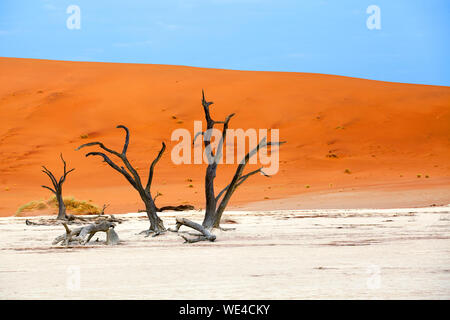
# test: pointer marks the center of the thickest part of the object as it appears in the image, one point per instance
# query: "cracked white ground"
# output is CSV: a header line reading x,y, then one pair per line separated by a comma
x,y
292,254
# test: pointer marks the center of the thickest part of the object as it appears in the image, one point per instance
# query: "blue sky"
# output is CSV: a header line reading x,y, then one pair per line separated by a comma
x,y
317,36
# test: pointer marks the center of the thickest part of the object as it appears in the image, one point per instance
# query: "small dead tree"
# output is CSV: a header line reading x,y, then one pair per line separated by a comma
x,y
216,204
57,188
103,209
130,173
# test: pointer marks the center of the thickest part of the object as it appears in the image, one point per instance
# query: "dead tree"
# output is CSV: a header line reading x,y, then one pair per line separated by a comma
x,y
130,173
103,209
57,188
216,204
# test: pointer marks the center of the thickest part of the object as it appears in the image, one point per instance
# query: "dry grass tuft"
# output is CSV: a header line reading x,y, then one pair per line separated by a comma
x,y
73,206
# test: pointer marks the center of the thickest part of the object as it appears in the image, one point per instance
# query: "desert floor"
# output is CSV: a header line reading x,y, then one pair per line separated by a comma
x,y
291,254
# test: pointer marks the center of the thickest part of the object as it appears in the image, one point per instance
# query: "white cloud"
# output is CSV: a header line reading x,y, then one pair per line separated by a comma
x,y
133,44
49,6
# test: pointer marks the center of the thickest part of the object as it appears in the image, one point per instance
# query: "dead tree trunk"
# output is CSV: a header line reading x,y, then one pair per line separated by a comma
x,y
216,204
57,188
156,224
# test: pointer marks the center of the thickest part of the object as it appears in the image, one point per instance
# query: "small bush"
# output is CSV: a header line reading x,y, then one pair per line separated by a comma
x,y
73,206
76,206
31,206
331,155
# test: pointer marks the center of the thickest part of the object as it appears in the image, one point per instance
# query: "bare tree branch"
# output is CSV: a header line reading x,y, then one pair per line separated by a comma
x,y
127,139
114,166
222,139
49,189
63,177
236,181
152,166
240,181
201,133
101,145
51,176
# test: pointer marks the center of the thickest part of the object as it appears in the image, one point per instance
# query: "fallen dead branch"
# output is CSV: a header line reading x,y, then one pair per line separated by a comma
x,y
182,207
71,219
80,234
204,235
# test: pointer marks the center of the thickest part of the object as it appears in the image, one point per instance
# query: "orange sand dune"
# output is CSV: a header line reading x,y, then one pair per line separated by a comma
x,y
385,134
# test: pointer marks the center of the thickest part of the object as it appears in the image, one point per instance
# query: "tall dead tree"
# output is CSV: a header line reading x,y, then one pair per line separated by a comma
x,y
216,204
156,224
57,188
